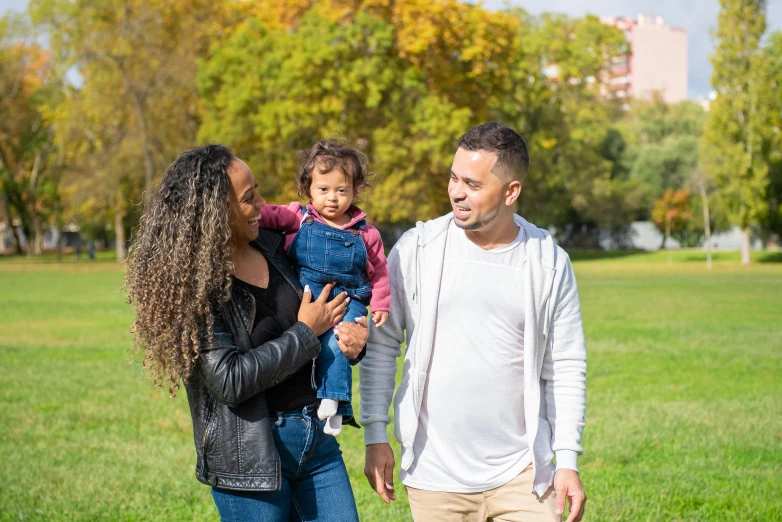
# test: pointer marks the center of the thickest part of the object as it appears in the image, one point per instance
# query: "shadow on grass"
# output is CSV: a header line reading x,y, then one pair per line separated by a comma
x,y
735,257
700,257
770,257
597,255
101,257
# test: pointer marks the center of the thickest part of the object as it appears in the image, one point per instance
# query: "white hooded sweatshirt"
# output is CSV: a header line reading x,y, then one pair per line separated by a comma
x,y
554,348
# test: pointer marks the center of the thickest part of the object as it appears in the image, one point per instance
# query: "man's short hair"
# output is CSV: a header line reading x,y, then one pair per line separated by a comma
x,y
506,143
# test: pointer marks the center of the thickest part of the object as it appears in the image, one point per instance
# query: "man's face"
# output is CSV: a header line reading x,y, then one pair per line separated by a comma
x,y
477,196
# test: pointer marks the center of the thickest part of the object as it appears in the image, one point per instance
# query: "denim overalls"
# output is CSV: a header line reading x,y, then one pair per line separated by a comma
x,y
323,254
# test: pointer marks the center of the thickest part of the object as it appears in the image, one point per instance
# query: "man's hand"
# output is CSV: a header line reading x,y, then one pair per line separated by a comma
x,y
567,484
379,470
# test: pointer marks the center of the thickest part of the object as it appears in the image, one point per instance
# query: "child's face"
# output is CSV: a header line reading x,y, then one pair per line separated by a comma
x,y
331,193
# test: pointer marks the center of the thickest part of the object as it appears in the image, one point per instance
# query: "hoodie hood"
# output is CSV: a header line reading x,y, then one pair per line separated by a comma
x,y
432,229
428,231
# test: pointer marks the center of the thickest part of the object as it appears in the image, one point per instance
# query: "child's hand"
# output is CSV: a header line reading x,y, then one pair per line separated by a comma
x,y
379,318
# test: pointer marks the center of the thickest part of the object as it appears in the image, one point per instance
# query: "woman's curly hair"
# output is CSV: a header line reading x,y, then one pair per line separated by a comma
x,y
180,262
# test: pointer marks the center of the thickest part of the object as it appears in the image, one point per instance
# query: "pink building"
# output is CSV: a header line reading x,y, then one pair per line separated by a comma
x,y
658,61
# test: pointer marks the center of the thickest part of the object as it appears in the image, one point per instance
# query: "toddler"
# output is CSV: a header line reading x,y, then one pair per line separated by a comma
x,y
329,240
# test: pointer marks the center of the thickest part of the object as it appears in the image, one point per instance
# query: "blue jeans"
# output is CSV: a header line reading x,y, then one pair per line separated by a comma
x,y
315,484
333,374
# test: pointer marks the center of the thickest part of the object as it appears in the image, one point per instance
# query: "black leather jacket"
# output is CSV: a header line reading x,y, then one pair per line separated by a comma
x,y
233,435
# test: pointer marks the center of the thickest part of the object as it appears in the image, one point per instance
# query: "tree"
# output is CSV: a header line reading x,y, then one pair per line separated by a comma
x,y
269,92
772,225
27,148
137,105
403,80
566,121
672,212
662,153
703,186
663,144
738,122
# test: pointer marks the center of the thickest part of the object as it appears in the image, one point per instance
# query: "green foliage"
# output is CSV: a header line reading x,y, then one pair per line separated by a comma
x,y
567,121
663,144
402,80
29,174
672,213
738,122
405,96
136,107
270,93
773,144
657,148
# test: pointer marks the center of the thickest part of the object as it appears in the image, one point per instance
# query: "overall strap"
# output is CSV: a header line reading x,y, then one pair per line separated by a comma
x,y
305,217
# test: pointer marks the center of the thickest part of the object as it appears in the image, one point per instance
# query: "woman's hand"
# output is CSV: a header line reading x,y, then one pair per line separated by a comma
x,y
320,315
352,337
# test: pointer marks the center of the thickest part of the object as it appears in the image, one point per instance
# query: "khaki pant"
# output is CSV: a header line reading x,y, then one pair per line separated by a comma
x,y
511,502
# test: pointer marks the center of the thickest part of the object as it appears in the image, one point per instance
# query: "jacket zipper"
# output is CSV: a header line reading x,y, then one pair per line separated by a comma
x,y
252,319
209,408
420,313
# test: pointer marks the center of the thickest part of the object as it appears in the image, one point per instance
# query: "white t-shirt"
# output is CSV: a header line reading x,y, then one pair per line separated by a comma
x,y
472,435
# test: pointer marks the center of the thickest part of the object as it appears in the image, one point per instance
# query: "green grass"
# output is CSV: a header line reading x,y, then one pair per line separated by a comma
x,y
684,414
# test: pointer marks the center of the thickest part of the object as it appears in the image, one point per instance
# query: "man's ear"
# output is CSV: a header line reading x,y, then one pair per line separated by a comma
x,y
512,192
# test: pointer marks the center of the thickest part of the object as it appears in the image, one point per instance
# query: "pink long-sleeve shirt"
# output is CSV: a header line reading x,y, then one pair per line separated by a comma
x,y
288,219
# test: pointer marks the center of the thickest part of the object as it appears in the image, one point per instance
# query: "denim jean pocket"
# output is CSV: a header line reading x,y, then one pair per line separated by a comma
x,y
330,252
363,293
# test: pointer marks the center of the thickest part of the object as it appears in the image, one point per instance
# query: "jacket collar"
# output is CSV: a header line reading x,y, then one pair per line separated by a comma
x,y
239,311
270,243
267,242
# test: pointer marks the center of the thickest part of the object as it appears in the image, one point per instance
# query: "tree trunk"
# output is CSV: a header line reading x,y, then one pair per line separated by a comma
x,y
746,246
7,222
37,246
17,240
60,228
773,242
59,243
34,246
667,238
148,171
706,221
119,232
138,107
5,206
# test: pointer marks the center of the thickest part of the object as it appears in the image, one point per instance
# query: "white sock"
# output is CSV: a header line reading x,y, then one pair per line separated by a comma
x,y
333,425
327,408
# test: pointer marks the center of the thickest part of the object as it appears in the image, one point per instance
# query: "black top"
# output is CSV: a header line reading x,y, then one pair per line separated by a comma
x,y
276,310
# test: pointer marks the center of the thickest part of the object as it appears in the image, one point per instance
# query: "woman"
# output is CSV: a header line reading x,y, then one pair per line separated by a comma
x,y
219,307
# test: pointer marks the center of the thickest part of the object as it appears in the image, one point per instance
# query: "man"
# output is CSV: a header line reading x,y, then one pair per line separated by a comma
x,y
491,406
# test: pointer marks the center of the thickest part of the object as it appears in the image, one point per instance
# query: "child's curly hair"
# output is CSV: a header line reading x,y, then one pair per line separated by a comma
x,y
327,155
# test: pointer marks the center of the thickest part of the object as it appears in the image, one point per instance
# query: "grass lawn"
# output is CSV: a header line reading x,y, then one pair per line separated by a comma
x,y
684,414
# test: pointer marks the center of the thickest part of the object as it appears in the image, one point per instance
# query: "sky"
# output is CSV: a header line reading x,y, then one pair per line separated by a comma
x,y
697,17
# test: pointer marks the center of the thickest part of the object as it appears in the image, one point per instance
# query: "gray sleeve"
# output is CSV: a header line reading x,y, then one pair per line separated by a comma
x,y
378,369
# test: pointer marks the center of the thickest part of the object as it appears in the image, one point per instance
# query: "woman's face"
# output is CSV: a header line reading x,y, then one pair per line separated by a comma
x,y
246,203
